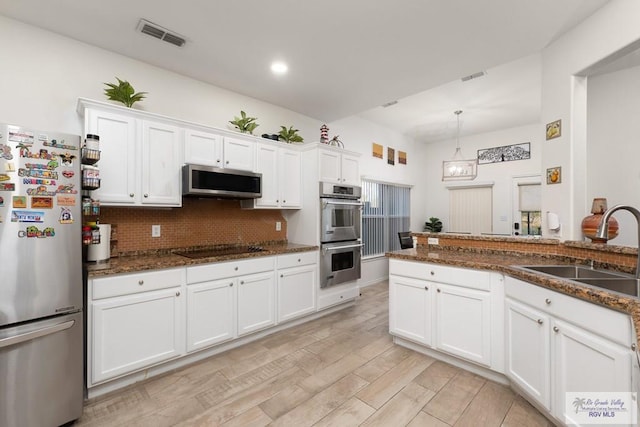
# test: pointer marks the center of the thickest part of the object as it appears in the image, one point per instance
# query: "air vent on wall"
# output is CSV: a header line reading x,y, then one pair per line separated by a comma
x,y
473,76
154,30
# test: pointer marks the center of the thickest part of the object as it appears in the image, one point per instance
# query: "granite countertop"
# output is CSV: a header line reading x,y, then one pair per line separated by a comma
x,y
507,263
168,259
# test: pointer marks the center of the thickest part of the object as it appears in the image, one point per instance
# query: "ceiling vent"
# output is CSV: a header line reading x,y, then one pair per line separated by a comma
x,y
154,30
389,104
473,76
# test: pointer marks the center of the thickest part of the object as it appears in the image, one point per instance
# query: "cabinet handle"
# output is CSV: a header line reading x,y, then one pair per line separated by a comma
x,y
540,322
556,329
140,282
227,162
242,282
548,301
433,273
130,194
284,201
633,346
218,161
426,288
146,195
438,289
235,268
341,297
282,275
299,260
178,293
231,284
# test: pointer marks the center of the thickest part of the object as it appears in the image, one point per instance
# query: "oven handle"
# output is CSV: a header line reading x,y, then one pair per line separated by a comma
x,y
335,248
327,202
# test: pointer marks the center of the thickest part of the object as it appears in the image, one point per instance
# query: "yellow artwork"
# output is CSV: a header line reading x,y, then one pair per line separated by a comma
x,y
377,150
554,129
402,157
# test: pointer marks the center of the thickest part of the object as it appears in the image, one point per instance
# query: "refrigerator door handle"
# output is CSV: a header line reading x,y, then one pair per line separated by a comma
x,y
6,342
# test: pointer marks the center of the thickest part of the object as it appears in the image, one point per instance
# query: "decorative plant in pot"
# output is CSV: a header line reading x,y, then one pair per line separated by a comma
x,y
123,92
244,123
289,135
434,225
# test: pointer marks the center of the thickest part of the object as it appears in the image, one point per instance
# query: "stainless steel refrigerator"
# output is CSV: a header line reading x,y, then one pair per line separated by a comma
x,y
41,288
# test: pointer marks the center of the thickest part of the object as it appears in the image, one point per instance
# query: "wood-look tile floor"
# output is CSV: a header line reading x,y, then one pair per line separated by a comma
x,y
340,370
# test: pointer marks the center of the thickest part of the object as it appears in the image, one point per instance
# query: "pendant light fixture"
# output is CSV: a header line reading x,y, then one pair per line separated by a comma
x,y
459,169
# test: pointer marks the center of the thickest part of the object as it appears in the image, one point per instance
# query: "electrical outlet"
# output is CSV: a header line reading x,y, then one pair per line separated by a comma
x,y
278,226
433,241
155,231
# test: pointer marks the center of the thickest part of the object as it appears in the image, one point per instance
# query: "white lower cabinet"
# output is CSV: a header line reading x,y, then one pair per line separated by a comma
x,y
135,331
210,313
558,344
410,309
256,302
297,285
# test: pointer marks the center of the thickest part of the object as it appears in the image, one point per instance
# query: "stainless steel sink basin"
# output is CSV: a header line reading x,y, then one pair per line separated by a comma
x,y
609,280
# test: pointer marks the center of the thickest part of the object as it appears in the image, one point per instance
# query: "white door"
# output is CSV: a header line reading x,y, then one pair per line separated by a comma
x,y
161,162
528,351
584,362
210,313
463,322
330,167
256,302
290,179
410,308
202,148
350,169
267,165
118,167
135,331
296,292
239,154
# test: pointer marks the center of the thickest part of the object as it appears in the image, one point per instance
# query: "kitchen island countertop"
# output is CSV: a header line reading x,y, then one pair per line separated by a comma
x,y
168,259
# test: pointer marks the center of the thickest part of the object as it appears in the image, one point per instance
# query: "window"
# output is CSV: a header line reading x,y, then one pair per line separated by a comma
x,y
530,211
385,214
470,210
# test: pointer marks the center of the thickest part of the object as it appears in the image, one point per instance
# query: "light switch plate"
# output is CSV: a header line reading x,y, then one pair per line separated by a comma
x,y
278,226
433,241
155,231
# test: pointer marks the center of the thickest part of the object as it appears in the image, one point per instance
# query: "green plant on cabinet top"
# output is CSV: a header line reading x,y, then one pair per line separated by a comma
x,y
289,135
123,92
244,124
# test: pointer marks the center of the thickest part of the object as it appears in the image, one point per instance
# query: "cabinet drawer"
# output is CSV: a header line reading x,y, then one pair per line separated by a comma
x,y
603,321
329,298
442,274
106,287
220,270
299,258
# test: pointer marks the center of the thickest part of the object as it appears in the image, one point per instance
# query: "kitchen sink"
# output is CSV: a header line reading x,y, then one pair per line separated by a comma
x,y
609,280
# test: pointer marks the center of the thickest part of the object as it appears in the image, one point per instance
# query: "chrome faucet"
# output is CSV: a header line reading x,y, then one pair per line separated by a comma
x,y
603,228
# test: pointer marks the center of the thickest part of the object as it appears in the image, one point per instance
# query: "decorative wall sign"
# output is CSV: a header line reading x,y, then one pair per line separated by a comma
x,y
402,157
376,150
391,156
554,129
506,153
554,175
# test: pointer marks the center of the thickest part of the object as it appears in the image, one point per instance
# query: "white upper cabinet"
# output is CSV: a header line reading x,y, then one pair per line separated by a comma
x,y
160,164
341,168
202,148
239,153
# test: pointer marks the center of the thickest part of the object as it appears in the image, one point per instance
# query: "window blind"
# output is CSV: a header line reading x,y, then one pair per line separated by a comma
x,y
470,210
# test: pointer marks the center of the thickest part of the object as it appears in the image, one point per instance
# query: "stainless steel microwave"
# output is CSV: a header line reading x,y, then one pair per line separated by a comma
x,y
209,181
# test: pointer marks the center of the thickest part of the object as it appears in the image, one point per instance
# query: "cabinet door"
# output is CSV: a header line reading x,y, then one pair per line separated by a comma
x,y
133,332
202,148
463,322
239,154
584,362
290,179
410,309
210,313
117,156
350,170
256,297
528,351
267,165
330,166
296,292
161,164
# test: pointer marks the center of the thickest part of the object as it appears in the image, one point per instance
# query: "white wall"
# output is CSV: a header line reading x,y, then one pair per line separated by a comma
x,y
613,151
564,96
43,74
434,194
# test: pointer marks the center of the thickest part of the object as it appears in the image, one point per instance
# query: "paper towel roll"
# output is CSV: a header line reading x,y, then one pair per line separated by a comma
x,y
101,251
553,222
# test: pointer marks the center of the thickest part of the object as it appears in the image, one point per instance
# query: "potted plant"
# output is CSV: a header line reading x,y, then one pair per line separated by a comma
x,y
434,225
289,135
244,123
123,92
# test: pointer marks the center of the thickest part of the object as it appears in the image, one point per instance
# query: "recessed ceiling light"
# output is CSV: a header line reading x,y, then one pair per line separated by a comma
x,y
279,67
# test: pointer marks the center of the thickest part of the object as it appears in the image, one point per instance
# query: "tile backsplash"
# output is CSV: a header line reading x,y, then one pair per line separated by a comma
x,y
199,222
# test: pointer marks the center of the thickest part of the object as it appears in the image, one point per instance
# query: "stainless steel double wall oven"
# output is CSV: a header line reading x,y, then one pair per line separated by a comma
x,y
340,223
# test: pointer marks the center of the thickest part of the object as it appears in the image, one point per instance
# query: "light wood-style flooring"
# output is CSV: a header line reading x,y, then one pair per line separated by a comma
x,y
340,370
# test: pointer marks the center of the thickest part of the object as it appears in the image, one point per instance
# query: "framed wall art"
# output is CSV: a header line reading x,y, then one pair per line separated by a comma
x,y
402,157
391,156
506,153
554,175
554,129
376,150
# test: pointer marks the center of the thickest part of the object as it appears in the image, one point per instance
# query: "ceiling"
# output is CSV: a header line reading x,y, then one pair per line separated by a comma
x,y
345,57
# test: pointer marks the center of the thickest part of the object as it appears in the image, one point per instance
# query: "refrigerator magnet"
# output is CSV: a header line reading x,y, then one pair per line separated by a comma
x,y
1,201
66,189
8,186
19,202
40,190
9,167
64,200
68,173
41,202
54,143
65,216
67,159
27,216
4,177
5,152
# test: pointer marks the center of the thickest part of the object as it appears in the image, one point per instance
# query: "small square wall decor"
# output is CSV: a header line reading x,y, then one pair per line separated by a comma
x,y
402,157
376,150
554,129
554,175
391,156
